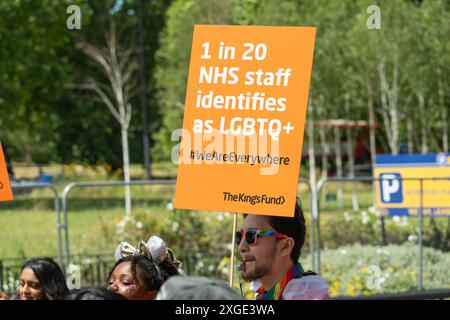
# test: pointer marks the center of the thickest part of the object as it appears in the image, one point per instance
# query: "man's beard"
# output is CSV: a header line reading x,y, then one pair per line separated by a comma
x,y
258,272
261,269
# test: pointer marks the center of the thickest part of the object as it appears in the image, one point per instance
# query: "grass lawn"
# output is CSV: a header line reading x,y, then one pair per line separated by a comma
x,y
28,224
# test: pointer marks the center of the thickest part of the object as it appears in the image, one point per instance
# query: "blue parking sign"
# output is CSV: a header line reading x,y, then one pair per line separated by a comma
x,y
411,183
391,188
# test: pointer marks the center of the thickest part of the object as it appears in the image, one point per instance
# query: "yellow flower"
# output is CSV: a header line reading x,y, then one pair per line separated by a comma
x,y
250,296
333,291
351,290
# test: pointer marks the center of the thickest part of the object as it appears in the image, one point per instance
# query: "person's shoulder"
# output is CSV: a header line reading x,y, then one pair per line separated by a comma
x,y
311,287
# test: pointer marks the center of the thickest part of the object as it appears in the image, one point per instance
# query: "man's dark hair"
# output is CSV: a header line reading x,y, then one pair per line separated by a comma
x,y
50,276
94,294
294,227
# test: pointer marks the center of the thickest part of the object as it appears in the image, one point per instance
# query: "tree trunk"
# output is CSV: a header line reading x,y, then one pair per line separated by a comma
x,y
324,145
119,71
389,98
312,160
351,157
126,169
444,118
423,123
337,147
432,140
373,147
409,130
144,100
444,129
394,110
325,152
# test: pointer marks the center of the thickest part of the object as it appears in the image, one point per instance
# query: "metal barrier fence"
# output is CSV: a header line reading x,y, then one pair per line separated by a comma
x,y
29,185
71,186
64,226
311,221
324,181
96,269
315,240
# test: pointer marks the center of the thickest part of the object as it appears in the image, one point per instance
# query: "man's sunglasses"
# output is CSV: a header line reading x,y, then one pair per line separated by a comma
x,y
251,235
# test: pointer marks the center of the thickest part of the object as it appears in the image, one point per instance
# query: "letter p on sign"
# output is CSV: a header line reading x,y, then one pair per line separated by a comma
x,y
391,188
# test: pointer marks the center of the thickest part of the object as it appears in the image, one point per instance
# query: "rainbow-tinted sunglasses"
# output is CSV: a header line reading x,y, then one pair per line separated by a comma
x,y
251,235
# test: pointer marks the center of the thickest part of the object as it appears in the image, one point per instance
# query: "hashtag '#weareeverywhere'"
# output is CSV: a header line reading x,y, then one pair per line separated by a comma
x,y
192,154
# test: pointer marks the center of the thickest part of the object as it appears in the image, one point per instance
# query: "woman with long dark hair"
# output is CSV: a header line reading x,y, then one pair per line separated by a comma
x,y
42,279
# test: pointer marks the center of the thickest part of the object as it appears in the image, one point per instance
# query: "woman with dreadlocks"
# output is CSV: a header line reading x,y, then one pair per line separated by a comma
x,y
140,272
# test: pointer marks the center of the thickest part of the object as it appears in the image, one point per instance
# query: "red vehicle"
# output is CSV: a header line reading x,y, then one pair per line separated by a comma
x,y
361,146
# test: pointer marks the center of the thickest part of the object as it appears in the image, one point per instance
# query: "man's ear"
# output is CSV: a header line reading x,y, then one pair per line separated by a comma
x,y
288,246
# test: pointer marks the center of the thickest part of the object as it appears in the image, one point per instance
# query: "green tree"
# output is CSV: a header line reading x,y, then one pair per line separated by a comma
x,y
34,69
173,61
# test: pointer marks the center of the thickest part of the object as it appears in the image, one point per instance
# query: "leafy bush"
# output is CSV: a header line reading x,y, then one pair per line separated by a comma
x,y
364,227
366,270
352,260
198,239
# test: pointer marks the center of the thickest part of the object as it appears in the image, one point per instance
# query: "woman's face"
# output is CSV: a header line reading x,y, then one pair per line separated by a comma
x,y
30,288
122,282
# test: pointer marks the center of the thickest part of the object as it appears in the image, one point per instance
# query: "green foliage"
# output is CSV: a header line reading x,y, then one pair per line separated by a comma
x,y
365,228
173,62
347,56
43,119
359,269
33,72
197,238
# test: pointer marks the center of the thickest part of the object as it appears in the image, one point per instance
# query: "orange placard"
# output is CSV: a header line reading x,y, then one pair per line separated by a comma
x,y
5,188
244,119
